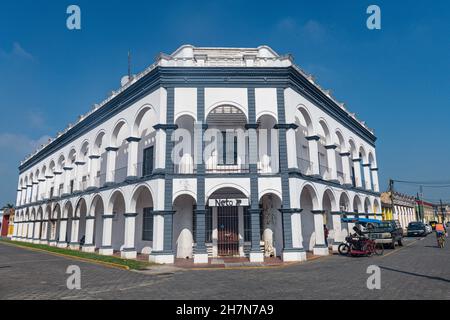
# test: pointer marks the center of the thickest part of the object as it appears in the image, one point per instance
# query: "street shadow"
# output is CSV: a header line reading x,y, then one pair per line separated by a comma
x,y
435,247
416,274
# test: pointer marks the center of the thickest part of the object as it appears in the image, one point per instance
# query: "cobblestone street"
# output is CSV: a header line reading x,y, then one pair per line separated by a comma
x,y
419,270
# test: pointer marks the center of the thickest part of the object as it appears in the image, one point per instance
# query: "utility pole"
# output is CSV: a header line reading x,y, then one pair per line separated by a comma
x,y
391,195
442,211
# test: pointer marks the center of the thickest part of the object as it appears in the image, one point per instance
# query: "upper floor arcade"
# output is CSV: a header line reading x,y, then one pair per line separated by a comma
x,y
222,124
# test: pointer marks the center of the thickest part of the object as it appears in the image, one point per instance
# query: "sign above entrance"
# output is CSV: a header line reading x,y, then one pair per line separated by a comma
x,y
228,202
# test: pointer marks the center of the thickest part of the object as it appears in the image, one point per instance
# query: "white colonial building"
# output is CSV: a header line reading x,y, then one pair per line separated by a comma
x,y
295,160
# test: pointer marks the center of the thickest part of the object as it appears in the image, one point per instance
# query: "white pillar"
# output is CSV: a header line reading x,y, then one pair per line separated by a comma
x,y
160,150
62,242
89,238
95,166
346,169
110,164
74,241
19,195
129,251
337,228
34,191
37,228
67,173
133,143
357,168
320,248
291,152
313,144
106,248
367,176
376,186
57,180
331,155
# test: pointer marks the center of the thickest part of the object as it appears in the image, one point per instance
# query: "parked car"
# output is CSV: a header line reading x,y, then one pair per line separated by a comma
x,y
388,232
417,229
428,228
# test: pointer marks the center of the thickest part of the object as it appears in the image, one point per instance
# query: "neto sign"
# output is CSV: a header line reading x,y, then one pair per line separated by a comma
x,y
228,202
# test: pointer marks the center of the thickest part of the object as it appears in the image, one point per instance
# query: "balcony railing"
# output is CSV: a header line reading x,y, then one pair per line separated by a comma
x,y
305,166
227,168
266,166
120,175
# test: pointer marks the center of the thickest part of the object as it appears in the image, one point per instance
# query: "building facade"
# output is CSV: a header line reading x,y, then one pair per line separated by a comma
x,y
208,152
404,209
7,225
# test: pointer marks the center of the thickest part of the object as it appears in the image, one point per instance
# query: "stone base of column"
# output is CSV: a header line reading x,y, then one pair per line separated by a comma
x,y
74,246
43,242
106,251
36,241
294,255
128,253
62,245
321,250
161,258
88,248
200,258
52,243
256,257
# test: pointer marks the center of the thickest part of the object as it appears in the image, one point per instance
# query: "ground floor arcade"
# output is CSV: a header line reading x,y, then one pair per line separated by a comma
x,y
133,219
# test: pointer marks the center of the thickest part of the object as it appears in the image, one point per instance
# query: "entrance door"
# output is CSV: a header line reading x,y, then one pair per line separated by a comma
x,y
228,231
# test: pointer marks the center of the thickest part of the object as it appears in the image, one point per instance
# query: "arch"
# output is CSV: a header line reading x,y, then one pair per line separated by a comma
x,y
340,141
225,104
67,210
183,226
344,202
326,131
97,201
367,205
136,193
332,198
311,190
184,144
362,154
352,148
81,206
371,159
97,210
83,153
268,156
357,204
240,188
139,116
117,207
98,142
270,191
376,206
306,116
121,123
271,223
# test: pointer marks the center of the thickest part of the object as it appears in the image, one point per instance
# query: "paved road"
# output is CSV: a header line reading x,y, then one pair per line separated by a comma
x,y
417,271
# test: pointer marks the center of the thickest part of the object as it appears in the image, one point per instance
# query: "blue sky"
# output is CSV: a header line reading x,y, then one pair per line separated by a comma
x,y
396,79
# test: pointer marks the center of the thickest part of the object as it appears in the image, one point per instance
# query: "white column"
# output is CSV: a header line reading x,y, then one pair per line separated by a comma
x,y
62,242
37,228
337,228
28,199
367,176
57,180
133,143
129,251
46,188
33,191
74,241
376,186
18,197
110,164
106,248
160,150
95,167
345,156
24,195
89,238
67,173
357,167
320,248
291,152
313,144
331,155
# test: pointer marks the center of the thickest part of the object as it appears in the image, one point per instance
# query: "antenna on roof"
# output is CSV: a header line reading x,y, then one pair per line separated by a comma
x,y
129,65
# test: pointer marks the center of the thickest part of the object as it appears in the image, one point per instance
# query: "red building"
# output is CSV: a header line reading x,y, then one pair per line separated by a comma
x,y
5,222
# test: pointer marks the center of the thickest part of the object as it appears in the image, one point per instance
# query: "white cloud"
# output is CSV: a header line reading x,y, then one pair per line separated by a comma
x,y
17,51
18,145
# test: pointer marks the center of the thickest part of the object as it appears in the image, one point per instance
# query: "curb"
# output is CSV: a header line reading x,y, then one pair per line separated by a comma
x,y
107,264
